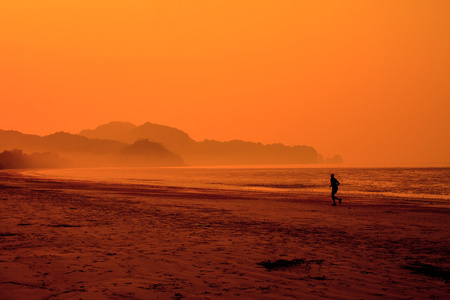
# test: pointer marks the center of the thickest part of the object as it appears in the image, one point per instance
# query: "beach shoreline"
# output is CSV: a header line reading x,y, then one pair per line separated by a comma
x,y
73,239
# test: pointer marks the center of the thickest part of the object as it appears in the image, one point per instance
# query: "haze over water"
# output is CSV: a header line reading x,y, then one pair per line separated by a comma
x,y
421,186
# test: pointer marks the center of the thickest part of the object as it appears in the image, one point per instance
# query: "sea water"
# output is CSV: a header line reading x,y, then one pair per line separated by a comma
x,y
429,186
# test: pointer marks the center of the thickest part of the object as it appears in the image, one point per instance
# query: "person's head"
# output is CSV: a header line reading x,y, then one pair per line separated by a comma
x,y
332,175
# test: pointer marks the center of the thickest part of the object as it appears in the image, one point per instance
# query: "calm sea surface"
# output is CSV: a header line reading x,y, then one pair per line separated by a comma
x,y
425,185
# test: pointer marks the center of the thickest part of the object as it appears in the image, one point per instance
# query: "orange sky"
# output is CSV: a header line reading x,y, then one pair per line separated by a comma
x,y
366,79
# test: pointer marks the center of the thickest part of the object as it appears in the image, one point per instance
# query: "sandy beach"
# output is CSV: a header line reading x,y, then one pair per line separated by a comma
x,y
92,240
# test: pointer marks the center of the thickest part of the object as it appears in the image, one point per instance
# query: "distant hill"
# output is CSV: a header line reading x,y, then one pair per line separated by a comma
x,y
173,139
238,152
337,159
125,144
137,154
16,159
84,151
60,142
207,152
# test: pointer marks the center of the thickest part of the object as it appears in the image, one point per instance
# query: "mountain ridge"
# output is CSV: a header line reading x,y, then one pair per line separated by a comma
x,y
208,152
85,152
152,144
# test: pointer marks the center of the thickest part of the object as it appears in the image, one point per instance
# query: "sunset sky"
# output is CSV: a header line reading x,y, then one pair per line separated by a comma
x,y
369,80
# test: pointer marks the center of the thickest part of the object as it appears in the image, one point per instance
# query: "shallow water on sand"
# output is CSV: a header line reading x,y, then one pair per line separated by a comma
x,y
426,185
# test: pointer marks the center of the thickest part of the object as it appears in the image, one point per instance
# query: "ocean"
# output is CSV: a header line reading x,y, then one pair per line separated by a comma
x,y
416,186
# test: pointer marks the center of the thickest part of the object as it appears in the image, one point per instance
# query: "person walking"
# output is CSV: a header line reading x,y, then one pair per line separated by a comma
x,y
334,183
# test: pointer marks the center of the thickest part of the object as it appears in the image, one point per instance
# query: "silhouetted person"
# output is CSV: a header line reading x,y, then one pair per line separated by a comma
x,y
334,183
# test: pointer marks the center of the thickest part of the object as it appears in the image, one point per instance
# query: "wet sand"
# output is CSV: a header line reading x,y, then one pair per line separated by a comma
x,y
88,240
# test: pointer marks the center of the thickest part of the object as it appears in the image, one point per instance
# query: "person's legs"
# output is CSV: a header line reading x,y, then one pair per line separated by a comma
x,y
334,197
